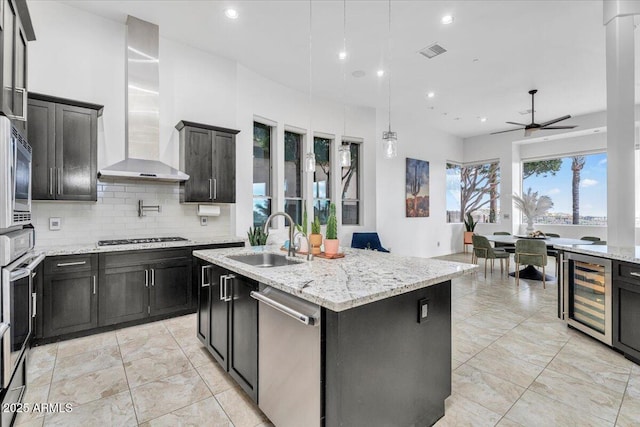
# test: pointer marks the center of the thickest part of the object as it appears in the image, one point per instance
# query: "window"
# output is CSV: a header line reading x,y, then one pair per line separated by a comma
x,y
473,188
261,173
577,186
321,178
351,188
293,193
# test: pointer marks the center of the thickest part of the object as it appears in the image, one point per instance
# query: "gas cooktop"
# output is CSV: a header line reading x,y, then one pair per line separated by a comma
x,y
141,240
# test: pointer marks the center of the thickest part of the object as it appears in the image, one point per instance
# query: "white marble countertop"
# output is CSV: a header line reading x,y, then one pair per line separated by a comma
x,y
629,254
90,248
359,278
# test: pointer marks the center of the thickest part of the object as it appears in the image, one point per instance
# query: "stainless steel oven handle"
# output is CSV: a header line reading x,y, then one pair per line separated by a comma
x,y
4,327
283,308
35,262
19,273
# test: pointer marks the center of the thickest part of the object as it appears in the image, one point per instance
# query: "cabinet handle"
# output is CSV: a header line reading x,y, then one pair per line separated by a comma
x,y
210,188
227,295
33,304
94,284
204,269
633,273
215,188
146,278
68,264
59,180
222,297
153,277
51,179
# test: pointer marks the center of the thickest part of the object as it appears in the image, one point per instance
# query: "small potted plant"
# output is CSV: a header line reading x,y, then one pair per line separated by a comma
x,y
304,247
470,226
331,243
257,236
315,239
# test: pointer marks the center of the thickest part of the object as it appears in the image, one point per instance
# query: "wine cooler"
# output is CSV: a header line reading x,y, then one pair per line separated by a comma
x,y
587,295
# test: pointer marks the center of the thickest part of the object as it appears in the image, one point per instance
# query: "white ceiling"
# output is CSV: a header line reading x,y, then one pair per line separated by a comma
x,y
557,47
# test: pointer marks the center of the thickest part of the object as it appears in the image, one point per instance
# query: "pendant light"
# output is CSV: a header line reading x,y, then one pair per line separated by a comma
x,y
310,158
389,138
344,151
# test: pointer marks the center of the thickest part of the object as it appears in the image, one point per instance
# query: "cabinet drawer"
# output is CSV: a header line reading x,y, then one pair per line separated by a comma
x,y
123,259
629,272
68,264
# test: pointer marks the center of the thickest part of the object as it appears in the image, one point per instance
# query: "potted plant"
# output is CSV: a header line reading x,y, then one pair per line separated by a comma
x,y
470,226
532,206
331,243
304,247
257,236
315,239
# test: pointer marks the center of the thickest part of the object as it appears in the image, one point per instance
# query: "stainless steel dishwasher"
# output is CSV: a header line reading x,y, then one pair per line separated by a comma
x,y
289,357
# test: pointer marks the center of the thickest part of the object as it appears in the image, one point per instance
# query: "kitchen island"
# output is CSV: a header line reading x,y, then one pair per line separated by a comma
x,y
382,338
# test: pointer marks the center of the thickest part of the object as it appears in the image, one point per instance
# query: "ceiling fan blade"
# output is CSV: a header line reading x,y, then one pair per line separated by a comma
x,y
559,127
517,124
503,131
559,119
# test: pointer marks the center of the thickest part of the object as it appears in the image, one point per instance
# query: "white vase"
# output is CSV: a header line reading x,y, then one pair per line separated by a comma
x,y
529,226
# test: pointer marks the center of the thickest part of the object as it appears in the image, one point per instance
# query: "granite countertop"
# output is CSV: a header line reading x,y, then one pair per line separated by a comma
x,y
91,248
359,278
629,253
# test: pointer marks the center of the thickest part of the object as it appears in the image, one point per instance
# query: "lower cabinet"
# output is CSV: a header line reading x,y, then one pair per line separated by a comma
x,y
228,323
70,302
626,309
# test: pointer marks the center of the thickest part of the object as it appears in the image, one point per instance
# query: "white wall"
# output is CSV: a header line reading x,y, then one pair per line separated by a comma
x,y
415,236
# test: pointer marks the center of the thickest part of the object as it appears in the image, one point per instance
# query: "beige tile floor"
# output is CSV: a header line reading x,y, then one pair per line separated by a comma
x,y
514,364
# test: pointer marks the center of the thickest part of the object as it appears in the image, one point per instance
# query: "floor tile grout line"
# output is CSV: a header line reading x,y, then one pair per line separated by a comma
x,y
624,394
126,376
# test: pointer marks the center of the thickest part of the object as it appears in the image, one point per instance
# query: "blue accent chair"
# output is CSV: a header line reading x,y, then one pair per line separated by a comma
x,y
367,241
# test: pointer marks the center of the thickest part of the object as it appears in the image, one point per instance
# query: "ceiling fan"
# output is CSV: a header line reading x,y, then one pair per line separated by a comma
x,y
533,126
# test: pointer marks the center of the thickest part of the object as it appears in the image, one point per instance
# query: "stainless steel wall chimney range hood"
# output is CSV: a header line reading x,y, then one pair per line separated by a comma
x,y
142,134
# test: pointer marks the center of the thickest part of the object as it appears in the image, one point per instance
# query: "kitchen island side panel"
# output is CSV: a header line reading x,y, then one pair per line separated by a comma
x,y
384,368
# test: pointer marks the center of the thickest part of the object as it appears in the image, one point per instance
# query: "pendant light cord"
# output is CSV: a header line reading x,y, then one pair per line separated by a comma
x,y
389,80
344,71
310,72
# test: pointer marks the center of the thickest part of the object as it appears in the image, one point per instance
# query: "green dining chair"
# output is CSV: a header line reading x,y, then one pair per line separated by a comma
x,y
483,249
531,252
551,235
590,238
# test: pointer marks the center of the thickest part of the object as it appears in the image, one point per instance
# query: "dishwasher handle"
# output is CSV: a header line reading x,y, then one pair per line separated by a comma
x,y
307,320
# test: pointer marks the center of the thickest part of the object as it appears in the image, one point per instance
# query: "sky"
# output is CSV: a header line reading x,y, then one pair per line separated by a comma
x,y
593,186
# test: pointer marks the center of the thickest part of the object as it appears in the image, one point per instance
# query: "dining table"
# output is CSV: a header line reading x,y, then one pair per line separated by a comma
x,y
530,272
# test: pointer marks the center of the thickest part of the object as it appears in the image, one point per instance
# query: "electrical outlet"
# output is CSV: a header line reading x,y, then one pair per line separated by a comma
x,y
55,224
423,310
203,221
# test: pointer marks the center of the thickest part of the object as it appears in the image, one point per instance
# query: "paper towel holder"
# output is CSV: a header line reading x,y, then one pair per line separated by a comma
x,y
208,210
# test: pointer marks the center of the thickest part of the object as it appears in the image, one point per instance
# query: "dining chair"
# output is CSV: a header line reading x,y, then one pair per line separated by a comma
x,y
551,235
483,249
590,238
531,252
599,242
369,240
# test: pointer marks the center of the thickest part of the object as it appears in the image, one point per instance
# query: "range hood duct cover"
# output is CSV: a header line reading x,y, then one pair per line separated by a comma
x,y
142,143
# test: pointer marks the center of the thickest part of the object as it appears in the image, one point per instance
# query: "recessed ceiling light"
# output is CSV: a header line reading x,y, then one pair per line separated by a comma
x,y
447,19
431,95
342,55
483,119
380,73
231,13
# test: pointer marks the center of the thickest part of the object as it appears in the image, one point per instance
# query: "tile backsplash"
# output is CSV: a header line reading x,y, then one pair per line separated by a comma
x,y
115,215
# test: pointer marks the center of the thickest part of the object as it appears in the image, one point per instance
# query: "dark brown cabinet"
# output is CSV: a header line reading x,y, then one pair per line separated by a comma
x,y
70,301
63,135
15,32
208,156
626,309
228,323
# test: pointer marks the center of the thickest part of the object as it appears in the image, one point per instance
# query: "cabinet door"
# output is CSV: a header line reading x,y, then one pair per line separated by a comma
x,y
38,280
70,303
626,317
8,46
204,294
243,335
76,153
123,294
170,290
20,88
198,152
224,190
218,344
41,129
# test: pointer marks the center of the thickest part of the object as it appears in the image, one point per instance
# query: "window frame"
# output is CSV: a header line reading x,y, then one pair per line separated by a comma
x,y
330,192
479,163
359,144
270,196
301,153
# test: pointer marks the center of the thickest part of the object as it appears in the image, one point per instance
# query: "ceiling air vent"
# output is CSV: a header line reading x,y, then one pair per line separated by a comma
x,y
432,50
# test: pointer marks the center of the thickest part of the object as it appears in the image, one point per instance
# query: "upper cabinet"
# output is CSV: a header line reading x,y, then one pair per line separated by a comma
x,y
63,135
208,156
15,31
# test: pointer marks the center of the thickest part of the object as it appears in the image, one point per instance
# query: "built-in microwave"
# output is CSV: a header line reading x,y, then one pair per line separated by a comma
x,y
15,176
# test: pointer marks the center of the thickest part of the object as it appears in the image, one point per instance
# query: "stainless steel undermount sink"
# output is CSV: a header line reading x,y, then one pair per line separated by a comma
x,y
264,260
